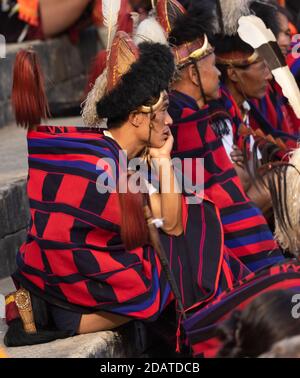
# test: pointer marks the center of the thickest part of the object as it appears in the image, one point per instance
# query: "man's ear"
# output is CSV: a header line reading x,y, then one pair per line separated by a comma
x,y
136,119
193,76
232,75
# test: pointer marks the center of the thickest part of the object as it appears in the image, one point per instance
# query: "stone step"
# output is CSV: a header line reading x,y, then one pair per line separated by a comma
x,y
287,348
106,344
65,66
13,222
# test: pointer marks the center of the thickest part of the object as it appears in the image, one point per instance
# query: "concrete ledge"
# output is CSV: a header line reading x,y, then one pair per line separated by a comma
x,y
287,348
95,345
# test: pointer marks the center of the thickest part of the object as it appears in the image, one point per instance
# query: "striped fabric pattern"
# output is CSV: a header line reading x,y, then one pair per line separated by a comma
x,y
246,232
200,327
225,107
264,115
275,110
74,257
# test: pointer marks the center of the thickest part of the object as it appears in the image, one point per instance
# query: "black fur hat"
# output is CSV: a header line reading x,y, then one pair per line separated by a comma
x,y
194,24
146,79
227,44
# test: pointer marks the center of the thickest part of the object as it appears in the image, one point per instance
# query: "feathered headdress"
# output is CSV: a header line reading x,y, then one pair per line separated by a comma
x,y
160,22
229,48
253,31
110,12
150,30
135,76
168,12
187,30
193,24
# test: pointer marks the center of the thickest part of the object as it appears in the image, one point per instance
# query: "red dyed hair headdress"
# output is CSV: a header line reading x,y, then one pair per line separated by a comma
x,y
29,99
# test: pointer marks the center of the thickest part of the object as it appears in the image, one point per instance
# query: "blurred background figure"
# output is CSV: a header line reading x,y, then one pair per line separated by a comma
x,y
38,19
294,7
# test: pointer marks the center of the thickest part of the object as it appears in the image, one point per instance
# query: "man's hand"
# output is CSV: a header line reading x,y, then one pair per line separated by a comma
x,y
237,156
165,150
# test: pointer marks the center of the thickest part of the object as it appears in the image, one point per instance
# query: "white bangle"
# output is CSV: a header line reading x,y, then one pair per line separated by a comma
x,y
158,222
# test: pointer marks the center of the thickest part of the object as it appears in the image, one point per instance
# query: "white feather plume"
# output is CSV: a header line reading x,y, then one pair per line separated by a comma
x,y
150,30
253,31
289,86
110,12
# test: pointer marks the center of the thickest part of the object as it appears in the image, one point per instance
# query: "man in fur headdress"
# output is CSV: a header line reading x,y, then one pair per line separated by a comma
x,y
89,260
95,268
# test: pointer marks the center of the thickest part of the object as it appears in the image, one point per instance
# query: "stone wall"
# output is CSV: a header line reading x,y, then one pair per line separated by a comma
x,y
65,67
14,218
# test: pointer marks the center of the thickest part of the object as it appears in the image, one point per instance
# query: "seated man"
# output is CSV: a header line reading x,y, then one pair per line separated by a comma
x,y
246,232
274,107
89,261
246,77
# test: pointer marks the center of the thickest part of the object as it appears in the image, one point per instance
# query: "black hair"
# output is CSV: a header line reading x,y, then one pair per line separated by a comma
x,y
115,123
269,14
146,79
265,321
